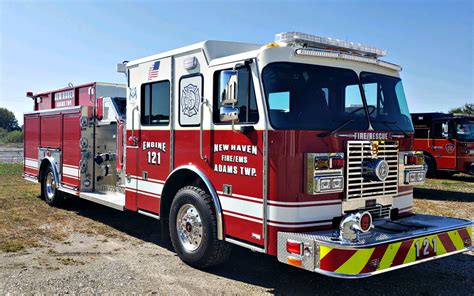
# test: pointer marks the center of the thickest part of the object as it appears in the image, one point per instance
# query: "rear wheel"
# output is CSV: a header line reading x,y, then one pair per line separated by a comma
x,y
50,193
193,229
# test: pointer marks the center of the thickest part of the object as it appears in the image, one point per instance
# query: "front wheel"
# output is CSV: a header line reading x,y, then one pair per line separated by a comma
x,y
431,166
50,193
193,229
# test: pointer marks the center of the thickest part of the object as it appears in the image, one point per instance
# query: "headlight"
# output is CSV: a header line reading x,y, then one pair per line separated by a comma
x,y
414,177
324,172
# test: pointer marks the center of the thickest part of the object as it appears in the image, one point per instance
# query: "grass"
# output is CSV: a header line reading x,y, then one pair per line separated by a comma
x,y
27,221
452,197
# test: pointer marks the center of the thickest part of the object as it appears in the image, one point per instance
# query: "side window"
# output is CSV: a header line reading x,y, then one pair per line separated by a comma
x,y
246,101
421,132
155,103
190,97
438,130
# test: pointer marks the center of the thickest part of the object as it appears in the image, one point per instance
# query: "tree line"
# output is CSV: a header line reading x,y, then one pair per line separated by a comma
x,y
11,133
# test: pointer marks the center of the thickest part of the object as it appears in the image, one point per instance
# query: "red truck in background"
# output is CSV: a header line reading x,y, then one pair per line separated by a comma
x,y
447,141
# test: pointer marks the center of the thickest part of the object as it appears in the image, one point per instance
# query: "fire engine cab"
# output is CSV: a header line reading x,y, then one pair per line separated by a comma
x,y
447,141
301,149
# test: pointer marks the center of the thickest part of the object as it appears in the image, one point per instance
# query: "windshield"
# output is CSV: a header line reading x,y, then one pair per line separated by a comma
x,y
386,102
313,97
465,131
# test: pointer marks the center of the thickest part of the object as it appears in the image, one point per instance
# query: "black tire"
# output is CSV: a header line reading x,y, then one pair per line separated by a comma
x,y
210,251
430,163
50,194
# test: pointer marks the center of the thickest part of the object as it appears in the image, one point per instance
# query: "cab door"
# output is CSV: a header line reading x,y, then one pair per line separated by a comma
x,y
237,156
444,145
149,163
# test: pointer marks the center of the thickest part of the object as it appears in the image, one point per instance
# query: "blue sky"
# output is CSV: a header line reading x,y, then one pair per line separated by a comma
x,y
47,44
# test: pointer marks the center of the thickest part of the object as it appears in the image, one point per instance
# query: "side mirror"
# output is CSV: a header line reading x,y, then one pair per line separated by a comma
x,y
228,87
229,114
447,131
100,108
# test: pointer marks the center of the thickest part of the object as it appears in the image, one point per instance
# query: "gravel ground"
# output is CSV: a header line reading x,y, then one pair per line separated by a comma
x,y
11,155
138,262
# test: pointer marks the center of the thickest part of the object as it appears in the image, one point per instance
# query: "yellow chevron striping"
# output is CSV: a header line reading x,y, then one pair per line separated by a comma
x,y
411,255
389,255
456,239
356,262
323,251
440,250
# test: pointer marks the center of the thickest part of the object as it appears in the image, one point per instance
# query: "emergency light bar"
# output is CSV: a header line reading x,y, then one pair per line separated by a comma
x,y
329,43
343,56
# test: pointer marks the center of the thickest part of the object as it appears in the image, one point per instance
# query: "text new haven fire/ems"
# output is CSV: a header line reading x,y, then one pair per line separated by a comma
x,y
301,149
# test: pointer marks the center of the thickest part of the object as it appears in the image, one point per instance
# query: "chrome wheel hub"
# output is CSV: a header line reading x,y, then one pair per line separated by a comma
x,y
50,187
189,227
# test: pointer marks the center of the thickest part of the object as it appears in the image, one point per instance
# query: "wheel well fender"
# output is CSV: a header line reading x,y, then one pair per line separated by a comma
x,y
189,175
49,161
429,155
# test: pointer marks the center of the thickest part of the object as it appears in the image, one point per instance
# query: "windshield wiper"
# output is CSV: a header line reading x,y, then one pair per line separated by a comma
x,y
330,133
386,122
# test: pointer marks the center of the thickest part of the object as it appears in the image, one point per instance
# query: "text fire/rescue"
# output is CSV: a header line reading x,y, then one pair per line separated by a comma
x,y
234,169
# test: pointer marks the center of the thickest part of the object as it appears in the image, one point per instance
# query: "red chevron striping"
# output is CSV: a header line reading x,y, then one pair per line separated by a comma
x,y
375,259
465,236
402,252
447,243
335,258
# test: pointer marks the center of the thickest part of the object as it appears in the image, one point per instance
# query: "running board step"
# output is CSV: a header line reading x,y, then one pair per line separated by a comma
x,y
113,200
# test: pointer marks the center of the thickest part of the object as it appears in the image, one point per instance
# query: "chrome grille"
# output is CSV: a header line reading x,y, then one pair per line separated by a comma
x,y
356,185
377,212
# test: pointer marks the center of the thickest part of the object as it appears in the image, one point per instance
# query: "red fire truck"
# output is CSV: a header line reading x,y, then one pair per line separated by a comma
x,y
447,141
301,149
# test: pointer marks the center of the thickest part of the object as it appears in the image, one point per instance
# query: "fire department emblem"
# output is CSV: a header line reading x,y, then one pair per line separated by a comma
x,y
374,149
190,99
133,93
449,148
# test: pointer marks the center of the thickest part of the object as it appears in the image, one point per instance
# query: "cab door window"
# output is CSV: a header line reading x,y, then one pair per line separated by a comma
x,y
155,103
246,101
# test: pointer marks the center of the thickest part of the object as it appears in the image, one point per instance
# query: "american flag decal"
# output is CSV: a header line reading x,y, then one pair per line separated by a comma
x,y
153,71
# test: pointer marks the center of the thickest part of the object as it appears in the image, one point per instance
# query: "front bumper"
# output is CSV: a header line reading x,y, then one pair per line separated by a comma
x,y
390,245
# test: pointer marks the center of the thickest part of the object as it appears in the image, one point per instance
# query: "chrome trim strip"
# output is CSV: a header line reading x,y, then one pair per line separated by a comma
x,y
68,190
265,159
364,275
48,111
149,214
248,246
172,118
215,198
30,179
